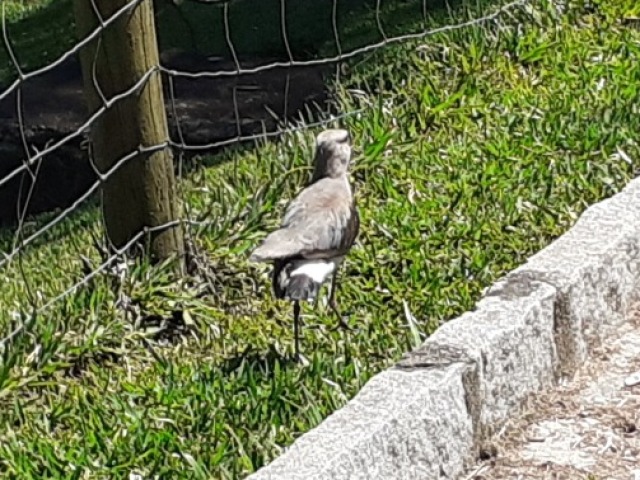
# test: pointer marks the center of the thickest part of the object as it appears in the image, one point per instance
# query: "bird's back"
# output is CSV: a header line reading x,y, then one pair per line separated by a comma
x,y
319,226
318,229
321,222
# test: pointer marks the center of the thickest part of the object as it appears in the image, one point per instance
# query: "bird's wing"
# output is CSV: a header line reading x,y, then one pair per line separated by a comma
x,y
321,222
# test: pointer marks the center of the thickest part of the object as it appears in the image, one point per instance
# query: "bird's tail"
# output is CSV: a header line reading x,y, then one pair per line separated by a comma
x,y
301,287
298,287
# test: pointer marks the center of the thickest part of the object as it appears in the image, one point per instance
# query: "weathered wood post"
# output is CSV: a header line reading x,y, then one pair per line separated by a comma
x,y
142,192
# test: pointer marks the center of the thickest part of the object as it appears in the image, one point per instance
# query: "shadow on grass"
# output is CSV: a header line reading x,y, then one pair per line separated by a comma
x,y
41,36
264,362
188,33
254,28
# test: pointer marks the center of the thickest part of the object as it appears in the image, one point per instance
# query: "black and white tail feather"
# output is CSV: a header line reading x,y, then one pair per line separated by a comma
x,y
301,280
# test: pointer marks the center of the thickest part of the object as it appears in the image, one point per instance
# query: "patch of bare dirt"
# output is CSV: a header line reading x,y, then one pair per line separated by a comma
x,y
587,428
200,111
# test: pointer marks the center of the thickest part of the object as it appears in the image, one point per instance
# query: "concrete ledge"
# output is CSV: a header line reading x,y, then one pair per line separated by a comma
x,y
509,338
416,421
595,268
429,416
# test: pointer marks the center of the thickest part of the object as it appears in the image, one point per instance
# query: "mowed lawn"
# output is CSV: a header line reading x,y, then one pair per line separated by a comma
x,y
476,148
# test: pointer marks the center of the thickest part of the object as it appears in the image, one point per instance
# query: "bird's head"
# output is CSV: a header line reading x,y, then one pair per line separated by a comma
x,y
333,154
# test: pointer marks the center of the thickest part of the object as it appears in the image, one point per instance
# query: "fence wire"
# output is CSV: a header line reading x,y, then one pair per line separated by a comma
x,y
34,159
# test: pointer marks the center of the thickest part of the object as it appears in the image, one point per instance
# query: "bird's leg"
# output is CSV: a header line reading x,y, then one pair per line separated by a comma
x,y
334,305
296,330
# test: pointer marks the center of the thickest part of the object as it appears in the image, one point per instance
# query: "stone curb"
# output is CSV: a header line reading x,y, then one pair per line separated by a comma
x,y
431,414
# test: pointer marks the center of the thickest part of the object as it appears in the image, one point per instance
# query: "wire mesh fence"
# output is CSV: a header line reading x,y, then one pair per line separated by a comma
x,y
110,366
211,103
482,129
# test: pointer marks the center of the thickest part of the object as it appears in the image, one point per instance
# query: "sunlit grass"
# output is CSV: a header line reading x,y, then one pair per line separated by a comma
x,y
476,149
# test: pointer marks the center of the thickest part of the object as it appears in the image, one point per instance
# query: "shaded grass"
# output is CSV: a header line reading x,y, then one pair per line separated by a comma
x,y
477,148
39,31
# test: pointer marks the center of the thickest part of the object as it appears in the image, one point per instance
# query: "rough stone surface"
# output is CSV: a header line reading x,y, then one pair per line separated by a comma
x,y
509,339
586,429
595,268
432,413
402,424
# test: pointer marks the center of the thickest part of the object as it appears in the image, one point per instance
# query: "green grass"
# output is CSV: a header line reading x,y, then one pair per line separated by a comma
x,y
38,31
477,148
198,27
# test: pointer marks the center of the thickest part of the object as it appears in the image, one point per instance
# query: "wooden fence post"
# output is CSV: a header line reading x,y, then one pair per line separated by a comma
x,y
142,192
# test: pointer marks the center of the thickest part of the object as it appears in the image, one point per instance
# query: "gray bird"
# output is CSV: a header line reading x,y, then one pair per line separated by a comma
x,y
318,229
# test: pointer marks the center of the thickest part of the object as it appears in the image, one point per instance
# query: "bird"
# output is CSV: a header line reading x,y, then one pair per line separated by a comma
x,y
318,229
